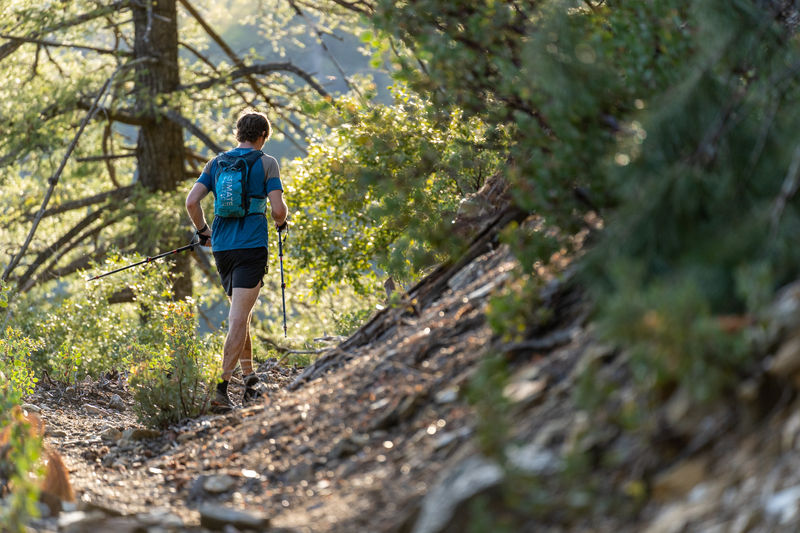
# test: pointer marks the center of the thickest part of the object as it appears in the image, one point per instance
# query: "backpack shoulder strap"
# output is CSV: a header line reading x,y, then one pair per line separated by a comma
x,y
252,156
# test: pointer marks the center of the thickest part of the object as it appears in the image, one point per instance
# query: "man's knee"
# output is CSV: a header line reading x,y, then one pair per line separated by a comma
x,y
238,321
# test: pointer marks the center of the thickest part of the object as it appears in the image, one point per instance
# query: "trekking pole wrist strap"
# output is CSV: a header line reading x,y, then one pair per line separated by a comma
x,y
201,230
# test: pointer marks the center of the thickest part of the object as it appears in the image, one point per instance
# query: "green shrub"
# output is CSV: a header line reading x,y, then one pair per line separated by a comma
x,y
349,321
15,361
673,338
20,453
172,375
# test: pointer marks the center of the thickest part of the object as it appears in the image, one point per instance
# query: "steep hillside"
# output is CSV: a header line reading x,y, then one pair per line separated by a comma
x,y
378,434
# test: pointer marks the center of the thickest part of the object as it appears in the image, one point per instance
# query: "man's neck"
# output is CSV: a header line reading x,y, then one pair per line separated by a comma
x,y
248,145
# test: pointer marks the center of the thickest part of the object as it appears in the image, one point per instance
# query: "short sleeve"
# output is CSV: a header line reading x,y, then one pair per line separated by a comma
x,y
274,184
205,176
273,174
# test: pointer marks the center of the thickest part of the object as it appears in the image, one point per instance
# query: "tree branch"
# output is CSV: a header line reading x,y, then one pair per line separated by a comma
x,y
10,47
27,283
355,6
121,193
61,242
325,48
56,44
241,67
261,68
122,116
184,122
106,157
53,180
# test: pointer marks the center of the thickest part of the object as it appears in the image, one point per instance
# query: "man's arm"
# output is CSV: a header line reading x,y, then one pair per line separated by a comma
x,y
195,210
279,208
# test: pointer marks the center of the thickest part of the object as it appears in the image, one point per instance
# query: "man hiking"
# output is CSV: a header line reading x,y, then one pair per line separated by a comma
x,y
242,180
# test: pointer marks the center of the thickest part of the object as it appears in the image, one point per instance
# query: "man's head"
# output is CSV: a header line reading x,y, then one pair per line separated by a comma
x,y
252,126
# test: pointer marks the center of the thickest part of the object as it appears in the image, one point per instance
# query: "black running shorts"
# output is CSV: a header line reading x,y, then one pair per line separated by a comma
x,y
243,268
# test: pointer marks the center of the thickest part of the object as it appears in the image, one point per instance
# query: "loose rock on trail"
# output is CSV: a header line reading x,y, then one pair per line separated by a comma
x,y
377,435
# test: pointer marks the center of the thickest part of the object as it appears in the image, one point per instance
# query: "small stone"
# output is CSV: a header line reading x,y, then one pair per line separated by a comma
x,y
786,362
31,408
160,517
675,518
445,439
94,410
455,488
185,437
525,391
448,395
140,434
534,460
57,433
72,521
111,434
216,517
116,403
746,521
784,505
679,479
218,484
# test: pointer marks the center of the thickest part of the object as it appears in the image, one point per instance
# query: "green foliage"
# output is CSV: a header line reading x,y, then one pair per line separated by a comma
x,y
673,339
674,122
378,193
349,321
486,394
21,454
172,372
81,332
15,361
84,334
4,290
680,141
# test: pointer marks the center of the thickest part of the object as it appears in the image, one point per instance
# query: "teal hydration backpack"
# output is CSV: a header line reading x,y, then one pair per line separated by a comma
x,y
231,199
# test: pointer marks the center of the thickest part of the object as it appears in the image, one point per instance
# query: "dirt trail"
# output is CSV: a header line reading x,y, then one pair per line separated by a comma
x,y
351,444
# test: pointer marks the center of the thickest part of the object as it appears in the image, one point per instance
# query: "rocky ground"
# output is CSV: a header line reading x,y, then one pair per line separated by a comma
x,y
378,434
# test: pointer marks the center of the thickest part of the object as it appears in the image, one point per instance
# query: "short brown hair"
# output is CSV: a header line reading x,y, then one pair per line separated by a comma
x,y
252,125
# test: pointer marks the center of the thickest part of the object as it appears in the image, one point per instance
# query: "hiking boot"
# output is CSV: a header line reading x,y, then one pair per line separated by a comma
x,y
221,403
251,391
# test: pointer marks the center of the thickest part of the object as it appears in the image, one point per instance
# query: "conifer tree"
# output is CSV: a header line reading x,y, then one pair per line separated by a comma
x,y
156,84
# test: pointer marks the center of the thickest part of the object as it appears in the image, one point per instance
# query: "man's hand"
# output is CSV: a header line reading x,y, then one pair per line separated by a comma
x,y
204,235
283,227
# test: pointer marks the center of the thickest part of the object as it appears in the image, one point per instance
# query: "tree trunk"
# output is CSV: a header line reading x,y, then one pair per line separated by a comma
x,y
160,148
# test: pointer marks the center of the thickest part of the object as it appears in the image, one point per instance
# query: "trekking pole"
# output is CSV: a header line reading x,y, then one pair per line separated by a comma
x,y
189,246
283,284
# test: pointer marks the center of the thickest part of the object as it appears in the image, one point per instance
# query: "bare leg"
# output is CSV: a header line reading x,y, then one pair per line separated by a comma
x,y
238,337
246,357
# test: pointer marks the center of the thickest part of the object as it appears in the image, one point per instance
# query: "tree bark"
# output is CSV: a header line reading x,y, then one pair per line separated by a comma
x,y
160,146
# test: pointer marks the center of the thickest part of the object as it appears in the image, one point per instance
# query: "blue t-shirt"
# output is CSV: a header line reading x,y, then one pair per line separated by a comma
x,y
250,231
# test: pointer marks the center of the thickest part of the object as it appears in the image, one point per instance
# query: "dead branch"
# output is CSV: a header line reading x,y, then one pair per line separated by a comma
x,y
248,102
355,6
